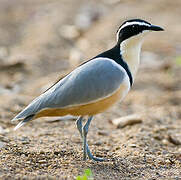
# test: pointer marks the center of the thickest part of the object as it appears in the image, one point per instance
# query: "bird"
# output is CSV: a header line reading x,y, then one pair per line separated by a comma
x,y
95,85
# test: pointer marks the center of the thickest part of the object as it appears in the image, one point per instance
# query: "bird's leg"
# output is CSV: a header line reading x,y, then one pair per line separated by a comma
x,y
85,146
80,129
85,130
79,125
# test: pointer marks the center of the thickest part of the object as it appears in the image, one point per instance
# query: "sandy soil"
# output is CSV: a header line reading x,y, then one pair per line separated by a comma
x,y
40,41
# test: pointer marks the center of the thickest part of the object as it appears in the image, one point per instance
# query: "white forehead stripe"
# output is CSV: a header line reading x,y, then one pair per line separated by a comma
x,y
134,22
131,23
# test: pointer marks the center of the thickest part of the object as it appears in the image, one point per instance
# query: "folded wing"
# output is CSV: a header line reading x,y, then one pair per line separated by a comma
x,y
90,82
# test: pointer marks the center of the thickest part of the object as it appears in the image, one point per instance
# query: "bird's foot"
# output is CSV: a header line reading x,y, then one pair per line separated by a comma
x,y
91,157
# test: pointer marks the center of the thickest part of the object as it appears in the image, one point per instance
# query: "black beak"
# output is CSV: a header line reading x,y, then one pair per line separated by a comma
x,y
155,28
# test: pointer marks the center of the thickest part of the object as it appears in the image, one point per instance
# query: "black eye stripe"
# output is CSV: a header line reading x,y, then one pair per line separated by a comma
x,y
131,30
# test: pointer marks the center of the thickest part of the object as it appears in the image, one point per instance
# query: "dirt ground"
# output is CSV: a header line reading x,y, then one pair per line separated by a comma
x,y
40,41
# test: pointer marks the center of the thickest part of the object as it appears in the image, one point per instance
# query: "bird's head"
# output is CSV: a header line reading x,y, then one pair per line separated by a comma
x,y
135,28
129,39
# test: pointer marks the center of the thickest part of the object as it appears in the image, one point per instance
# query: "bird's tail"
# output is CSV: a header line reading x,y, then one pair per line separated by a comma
x,y
26,119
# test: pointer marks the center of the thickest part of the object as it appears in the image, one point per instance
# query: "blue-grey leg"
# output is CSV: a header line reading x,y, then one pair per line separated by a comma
x,y
83,132
85,145
79,125
80,129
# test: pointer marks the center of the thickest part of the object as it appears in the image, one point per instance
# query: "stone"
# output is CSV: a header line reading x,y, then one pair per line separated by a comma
x,y
127,120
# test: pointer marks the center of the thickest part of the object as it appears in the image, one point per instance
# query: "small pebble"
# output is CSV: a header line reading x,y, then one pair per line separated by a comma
x,y
175,139
103,133
3,131
127,120
42,161
133,145
165,141
98,143
23,156
2,144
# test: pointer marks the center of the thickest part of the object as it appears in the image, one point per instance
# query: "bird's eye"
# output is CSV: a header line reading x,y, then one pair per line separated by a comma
x,y
135,28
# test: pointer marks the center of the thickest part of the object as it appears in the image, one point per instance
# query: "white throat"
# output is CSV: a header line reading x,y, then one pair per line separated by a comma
x,y
130,51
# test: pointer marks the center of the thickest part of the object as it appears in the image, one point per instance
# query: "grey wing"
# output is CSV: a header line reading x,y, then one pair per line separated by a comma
x,y
93,80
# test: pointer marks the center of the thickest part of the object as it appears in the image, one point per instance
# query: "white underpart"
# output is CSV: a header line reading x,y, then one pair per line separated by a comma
x,y
129,24
130,51
126,82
